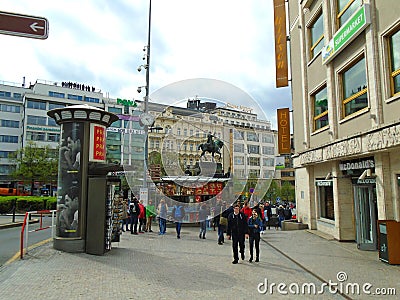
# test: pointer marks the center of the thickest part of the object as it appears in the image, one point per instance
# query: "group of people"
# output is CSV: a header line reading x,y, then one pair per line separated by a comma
x,y
136,214
239,222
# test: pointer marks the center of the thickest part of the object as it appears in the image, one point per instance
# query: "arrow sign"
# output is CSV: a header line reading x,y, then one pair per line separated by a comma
x,y
23,25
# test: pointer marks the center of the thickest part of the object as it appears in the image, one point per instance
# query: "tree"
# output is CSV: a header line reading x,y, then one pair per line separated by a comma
x,y
287,192
35,163
273,192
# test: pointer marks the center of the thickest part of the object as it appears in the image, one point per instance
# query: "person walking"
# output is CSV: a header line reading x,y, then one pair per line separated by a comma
x,y
267,215
125,215
203,213
142,217
238,230
150,213
162,216
178,213
255,226
281,215
134,211
223,212
246,209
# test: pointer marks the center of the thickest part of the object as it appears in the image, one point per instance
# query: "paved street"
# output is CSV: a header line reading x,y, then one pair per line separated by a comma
x,y
162,267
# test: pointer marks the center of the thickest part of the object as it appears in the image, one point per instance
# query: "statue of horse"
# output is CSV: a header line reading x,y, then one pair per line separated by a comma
x,y
212,148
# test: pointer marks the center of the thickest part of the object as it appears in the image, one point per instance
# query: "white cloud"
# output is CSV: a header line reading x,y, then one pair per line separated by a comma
x,y
100,42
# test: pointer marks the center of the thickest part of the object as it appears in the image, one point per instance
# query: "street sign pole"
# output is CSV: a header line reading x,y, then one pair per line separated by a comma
x,y
24,25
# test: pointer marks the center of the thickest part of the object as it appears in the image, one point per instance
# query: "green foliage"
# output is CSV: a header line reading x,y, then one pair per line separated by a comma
x,y
35,163
287,192
26,203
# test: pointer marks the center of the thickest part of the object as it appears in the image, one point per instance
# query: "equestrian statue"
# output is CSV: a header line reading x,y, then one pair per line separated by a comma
x,y
211,146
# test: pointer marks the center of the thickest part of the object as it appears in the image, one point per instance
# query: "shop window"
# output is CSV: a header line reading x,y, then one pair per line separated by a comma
x,y
326,203
394,46
345,9
354,88
316,35
320,107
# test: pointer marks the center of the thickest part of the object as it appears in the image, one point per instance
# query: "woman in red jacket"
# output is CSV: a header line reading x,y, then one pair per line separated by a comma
x,y
247,209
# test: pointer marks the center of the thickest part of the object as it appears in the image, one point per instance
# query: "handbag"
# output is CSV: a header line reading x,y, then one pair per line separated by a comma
x,y
222,220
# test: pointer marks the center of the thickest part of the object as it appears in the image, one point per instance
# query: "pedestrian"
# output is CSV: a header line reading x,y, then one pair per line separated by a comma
x,y
203,213
125,215
223,212
267,215
150,213
281,215
238,230
255,227
178,213
162,216
142,217
246,209
134,211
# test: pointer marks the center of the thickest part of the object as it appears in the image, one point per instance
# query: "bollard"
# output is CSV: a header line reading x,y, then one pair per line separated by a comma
x,y
13,210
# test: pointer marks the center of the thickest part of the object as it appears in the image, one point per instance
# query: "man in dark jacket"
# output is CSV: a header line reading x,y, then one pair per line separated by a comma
x,y
238,229
178,213
134,211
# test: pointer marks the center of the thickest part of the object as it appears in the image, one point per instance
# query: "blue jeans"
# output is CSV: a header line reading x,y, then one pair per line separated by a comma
x,y
203,229
163,225
280,219
221,229
178,226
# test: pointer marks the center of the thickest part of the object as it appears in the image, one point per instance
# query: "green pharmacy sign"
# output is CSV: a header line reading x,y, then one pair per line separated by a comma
x,y
125,102
347,33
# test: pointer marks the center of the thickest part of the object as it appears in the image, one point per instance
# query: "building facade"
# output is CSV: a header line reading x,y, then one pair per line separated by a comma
x,y
345,70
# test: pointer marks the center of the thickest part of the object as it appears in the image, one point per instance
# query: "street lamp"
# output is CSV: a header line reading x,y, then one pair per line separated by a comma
x,y
146,66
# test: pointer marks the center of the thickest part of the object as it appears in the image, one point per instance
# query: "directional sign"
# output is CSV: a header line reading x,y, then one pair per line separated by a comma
x,y
23,25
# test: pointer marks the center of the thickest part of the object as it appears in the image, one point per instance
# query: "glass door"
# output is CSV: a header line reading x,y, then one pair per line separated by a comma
x,y
365,214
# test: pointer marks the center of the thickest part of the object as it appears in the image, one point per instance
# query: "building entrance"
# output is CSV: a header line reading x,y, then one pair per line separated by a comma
x,y
366,215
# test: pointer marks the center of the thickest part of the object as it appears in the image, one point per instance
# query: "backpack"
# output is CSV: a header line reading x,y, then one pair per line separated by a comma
x,y
132,208
178,212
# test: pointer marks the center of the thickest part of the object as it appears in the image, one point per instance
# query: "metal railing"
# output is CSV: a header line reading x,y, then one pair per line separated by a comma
x,y
25,227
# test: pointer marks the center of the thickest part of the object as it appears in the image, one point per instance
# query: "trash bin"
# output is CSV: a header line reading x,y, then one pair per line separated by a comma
x,y
389,241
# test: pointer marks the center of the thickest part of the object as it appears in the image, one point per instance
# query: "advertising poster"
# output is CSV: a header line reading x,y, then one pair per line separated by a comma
x,y
69,180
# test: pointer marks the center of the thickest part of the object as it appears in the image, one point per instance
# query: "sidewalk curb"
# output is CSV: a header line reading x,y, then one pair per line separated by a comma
x,y
17,224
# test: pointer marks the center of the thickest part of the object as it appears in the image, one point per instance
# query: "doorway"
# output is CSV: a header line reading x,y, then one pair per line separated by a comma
x,y
365,215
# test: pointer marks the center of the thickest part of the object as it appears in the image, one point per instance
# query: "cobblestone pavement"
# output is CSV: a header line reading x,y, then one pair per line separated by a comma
x,y
163,267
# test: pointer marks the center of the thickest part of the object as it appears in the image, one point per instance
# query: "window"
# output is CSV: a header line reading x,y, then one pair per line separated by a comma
x,y
345,9
354,88
237,135
316,31
35,136
36,105
51,122
268,162
56,94
75,97
55,105
320,104
252,136
6,169
118,111
17,96
238,148
53,137
10,108
239,160
36,120
268,150
91,99
394,45
9,123
326,205
5,94
178,131
9,139
254,161
267,138
253,149
185,132
5,154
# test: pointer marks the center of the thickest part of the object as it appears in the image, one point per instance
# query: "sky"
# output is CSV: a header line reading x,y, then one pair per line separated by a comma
x,y
211,49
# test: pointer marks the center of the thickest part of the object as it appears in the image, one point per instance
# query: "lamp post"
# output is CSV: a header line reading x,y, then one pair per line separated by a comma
x,y
146,98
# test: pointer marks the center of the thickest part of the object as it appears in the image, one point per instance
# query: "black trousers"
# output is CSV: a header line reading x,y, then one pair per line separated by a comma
x,y
237,240
255,239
